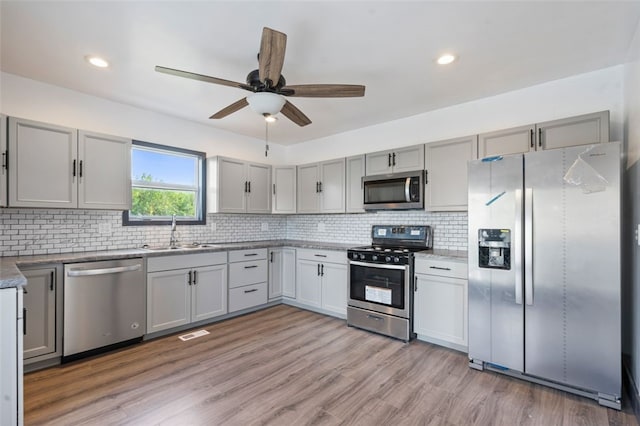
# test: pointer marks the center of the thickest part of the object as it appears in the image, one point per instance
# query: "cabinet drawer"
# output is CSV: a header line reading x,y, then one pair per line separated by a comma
x,y
331,256
442,267
245,273
180,261
242,255
247,296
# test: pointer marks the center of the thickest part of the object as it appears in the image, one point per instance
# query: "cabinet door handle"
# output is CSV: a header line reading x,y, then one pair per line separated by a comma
x,y
322,270
251,291
320,186
51,283
245,186
389,162
415,283
80,168
394,159
195,277
24,321
4,161
274,189
74,168
440,268
271,257
189,279
540,137
251,267
249,186
426,177
532,138
318,269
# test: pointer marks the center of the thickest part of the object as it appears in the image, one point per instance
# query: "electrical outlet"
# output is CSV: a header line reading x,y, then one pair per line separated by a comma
x,y
104,228
213,226
264,227
321,227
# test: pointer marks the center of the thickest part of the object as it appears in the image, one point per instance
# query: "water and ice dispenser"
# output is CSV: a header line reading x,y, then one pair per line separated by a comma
x,y
494,248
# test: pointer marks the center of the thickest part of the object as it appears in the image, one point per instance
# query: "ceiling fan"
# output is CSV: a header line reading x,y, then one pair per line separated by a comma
x,y
268,85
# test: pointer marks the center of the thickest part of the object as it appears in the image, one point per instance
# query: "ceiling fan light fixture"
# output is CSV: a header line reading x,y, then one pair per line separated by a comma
x,y
446,59
266,103
270,118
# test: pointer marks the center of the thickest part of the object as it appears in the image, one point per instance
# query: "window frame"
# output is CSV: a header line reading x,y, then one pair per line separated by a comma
x,y
201,195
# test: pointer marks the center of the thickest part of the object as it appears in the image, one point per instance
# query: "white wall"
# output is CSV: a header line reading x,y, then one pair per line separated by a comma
x,y
34,100
581,94
631,209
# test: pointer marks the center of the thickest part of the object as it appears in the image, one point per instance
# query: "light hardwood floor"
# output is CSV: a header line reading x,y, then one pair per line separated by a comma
x,y
286,366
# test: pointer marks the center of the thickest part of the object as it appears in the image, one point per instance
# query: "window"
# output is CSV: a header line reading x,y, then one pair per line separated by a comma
x,y
166,181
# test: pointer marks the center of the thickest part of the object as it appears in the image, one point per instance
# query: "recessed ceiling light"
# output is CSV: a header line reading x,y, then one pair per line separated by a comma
x,y
97,61
445,59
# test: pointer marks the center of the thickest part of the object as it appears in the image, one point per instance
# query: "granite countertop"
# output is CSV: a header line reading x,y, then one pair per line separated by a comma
x,y
10,275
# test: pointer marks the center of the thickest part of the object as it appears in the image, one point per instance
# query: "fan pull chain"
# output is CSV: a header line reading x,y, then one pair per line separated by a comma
x,y
266,138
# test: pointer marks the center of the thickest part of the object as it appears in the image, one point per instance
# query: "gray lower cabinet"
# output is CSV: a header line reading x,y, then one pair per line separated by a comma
x,y
440,302
182,289
446,169
321,281
579,130
42,314
282,273
248,279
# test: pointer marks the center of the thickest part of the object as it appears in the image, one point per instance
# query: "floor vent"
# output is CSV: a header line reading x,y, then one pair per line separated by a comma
x,y
193,335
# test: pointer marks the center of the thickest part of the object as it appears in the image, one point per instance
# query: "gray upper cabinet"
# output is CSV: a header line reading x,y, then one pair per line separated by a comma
x,y
104,178
446,164
283,189
236,186
355,172
3,166
321,187
42,165
396,160
579,130
49,166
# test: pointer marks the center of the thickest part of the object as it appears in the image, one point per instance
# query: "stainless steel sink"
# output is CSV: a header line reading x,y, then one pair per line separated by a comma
x,y
192,246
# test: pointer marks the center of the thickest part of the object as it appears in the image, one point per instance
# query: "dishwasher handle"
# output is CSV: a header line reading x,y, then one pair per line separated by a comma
x,y
103,271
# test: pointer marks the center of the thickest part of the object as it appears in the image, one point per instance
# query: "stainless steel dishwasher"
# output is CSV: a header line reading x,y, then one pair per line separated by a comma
x,y
104,306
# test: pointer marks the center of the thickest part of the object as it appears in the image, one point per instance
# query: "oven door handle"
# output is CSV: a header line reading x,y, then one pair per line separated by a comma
x,y
377,265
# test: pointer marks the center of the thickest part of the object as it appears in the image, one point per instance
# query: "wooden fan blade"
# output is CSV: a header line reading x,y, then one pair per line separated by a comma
x,y
205,78
271,56
231,108
326,90
294,114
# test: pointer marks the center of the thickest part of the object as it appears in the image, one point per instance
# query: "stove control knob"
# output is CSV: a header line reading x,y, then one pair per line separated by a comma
x,y
374,257
354,255
396,259
362,257
387,259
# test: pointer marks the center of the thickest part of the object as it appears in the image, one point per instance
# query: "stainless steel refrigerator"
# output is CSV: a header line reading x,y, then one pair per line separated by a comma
x,y
544,268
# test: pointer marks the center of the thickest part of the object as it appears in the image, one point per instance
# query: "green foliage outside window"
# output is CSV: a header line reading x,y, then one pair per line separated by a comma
x,y
162,202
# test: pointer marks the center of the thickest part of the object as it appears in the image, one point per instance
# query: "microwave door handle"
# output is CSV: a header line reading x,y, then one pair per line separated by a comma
x,y
407,190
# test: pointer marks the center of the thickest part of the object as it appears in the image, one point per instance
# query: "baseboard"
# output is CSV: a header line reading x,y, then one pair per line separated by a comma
x,y
630,386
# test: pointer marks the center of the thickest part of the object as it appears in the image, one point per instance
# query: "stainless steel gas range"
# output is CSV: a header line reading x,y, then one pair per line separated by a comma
x,y
381,279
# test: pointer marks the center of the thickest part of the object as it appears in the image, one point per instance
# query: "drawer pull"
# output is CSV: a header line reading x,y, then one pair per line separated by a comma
x,y
373,317
320,255
250,254
251,291
438,267
250,267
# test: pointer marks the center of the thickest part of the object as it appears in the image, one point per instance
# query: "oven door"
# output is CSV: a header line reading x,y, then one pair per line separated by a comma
x,y
380,288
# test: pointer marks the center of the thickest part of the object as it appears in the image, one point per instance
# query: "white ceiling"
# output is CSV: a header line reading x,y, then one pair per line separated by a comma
x,y
388,46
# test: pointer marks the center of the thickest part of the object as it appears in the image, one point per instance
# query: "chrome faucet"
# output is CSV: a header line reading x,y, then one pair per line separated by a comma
x,y
173,241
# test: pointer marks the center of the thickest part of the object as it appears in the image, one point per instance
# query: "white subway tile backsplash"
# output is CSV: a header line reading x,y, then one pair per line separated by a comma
x,y
34,231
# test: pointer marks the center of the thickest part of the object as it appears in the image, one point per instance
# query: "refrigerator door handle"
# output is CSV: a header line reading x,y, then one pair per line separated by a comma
x,y
528,248
517,247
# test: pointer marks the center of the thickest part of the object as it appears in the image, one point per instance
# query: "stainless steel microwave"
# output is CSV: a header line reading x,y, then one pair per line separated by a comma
x,y
396,191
